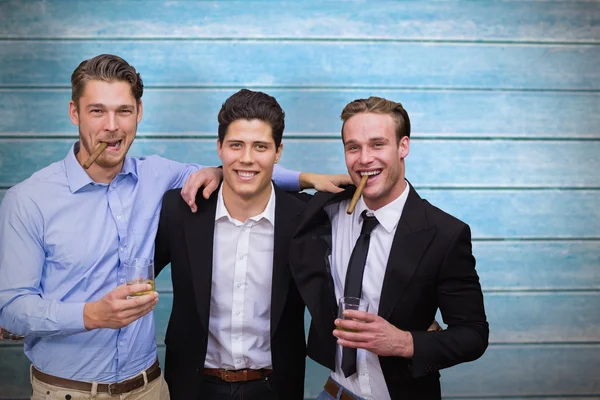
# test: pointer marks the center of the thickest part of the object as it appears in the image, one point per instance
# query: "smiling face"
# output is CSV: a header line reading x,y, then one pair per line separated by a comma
x,y
371,148
248,153
107,112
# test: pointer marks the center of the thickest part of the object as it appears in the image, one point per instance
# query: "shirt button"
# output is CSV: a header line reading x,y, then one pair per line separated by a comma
x,y
242,257
121,343
237,337
118,217
238,361
237,313
123,248
112,188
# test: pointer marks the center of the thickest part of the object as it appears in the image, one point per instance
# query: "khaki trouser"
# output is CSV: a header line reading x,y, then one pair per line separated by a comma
x,y
155,390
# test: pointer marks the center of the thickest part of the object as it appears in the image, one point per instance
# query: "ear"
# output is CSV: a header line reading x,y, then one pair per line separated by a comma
x,y
140,109
404,147
220,149
278,153
73,113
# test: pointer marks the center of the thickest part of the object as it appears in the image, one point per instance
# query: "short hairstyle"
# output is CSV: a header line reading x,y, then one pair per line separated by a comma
x,y
107,68
379,105
247,104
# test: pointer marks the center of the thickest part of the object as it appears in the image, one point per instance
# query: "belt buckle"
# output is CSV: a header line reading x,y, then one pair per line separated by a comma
x,y
225,375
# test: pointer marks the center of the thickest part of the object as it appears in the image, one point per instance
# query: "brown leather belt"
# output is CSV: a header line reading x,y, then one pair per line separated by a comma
x,y
240,375
333,388
113,388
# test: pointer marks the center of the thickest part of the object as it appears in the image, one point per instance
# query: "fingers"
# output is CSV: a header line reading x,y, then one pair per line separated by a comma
x,y
142,308
124,291
211,186
434,327
332,188
350,326
360,315
344,179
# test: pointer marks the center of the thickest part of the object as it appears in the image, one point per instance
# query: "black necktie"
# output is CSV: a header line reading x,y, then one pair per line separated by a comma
x,y
354,277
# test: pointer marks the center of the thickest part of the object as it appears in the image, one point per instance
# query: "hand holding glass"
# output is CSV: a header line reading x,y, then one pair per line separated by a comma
x,y
140,270
351,303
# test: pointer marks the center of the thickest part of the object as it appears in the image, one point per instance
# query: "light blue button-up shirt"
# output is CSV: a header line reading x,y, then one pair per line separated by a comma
x,y
63,239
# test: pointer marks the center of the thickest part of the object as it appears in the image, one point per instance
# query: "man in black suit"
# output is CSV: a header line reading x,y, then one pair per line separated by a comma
x,y
398,252
237,324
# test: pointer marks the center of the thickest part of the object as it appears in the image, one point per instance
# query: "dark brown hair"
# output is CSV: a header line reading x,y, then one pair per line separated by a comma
x,y
107,68
247,104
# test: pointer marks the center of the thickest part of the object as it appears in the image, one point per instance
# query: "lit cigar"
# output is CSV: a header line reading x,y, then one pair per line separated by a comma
x,y
359,190
88,163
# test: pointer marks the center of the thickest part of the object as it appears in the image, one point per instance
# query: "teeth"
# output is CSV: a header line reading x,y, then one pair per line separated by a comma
x,y
246,174
370,173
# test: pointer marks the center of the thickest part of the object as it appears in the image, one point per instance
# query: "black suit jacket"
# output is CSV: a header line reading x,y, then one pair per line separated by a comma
x,y
185,239
430,266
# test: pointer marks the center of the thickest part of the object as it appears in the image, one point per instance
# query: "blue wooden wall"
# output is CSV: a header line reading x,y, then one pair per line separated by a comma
x,y
504,101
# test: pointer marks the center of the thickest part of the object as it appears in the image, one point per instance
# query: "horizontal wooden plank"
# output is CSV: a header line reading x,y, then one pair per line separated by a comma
x,y
492,213
411,20
437,163
534,265
316,112
521,266
548,317
313,64
515,370
15,373
537,370
503,214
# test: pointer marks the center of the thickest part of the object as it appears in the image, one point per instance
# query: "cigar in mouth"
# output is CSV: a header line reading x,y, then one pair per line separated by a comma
x,y
95,154
359,190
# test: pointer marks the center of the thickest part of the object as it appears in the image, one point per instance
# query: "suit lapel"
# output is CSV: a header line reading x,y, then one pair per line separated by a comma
x,y
285,212
199,235
412,238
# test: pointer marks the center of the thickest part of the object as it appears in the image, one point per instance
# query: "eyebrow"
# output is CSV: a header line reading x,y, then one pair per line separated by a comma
x,y
375,139
120,107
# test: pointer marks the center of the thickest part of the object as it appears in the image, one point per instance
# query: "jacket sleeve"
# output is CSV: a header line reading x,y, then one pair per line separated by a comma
x,y
461,304
162,256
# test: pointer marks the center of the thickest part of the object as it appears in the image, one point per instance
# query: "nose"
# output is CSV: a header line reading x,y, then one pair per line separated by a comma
x,y
366,157
246,157
111,123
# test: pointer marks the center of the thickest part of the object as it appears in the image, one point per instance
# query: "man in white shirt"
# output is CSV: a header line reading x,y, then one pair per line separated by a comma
x,y
237,326
402,255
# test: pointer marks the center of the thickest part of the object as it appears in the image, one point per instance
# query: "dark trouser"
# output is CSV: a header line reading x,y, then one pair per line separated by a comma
x,y
216,389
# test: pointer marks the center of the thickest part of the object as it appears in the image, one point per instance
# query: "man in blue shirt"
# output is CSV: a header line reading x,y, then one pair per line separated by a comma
x,y
65,233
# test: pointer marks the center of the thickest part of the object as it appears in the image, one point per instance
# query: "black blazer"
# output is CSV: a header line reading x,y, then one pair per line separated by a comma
x,y
185,239
430,266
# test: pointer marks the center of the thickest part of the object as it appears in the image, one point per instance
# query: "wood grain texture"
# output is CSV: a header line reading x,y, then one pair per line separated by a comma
x,y
554,21
431,163
315,112
504,100
315,64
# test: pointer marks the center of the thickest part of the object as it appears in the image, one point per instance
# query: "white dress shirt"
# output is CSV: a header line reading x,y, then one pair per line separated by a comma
x,y
368,381
240,302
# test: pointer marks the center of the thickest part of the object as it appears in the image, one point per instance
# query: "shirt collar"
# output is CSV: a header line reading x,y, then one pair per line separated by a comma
x,y
389,215
78,178
76,175
268,213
